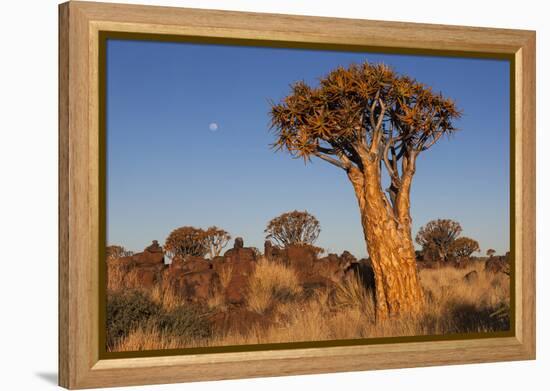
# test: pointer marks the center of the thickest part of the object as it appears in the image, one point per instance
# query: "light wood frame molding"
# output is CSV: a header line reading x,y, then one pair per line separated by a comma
x,y
80,365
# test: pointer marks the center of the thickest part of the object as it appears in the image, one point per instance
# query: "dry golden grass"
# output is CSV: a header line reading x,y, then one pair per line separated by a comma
x,y
446,286
225,274
216,301
453,305
118,278
351,293
270,282
164,295
115,277
149,338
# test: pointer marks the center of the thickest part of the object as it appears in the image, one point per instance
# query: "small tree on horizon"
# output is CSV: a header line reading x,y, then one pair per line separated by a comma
x,y
293,228
115,251
363,119
197,242
491,252
186,241
437,237
216,239
464,247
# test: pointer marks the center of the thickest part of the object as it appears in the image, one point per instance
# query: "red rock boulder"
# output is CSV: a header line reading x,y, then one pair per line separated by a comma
x,y
152,255
497,265
240,262
190,264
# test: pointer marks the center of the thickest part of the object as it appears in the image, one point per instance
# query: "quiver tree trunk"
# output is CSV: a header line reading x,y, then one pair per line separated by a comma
x,y
389,244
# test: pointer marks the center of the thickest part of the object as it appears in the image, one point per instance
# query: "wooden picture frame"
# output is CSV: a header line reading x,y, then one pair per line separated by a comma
x,y
80,200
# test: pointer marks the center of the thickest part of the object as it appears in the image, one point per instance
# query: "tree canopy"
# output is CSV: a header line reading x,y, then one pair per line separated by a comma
x,y
293,228
366,111
185,241
437,238
216,239
115,251
464,247
192,241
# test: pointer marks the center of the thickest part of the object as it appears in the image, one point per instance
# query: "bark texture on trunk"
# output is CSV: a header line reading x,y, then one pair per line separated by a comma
x,y
387,232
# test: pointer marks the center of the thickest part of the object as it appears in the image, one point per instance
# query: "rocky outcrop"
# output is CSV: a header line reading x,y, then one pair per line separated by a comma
x,y
333,267
239,262
144,269
193,286
498,264
192,277
303,259
239,243
363,270
189,264
152,255
196,279
154,247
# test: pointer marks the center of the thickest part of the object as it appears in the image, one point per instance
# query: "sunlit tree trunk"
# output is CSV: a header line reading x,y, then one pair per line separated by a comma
x,y
389,243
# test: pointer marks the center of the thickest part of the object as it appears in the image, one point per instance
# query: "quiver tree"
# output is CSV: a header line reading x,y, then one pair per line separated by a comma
x,y
365,119
115,251
293,228
197,242
437,238
464,247
215,239
186,241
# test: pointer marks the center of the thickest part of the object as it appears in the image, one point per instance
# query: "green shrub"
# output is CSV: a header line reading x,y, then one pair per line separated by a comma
x,y
126,311
188,322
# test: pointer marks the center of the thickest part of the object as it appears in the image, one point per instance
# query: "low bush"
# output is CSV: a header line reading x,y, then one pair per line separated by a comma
x,y
187,322
126,311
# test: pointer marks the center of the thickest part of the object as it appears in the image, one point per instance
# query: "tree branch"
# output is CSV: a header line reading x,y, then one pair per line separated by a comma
x,y
394,159
377,126
336,162
390,166
421,146
329,151
434,140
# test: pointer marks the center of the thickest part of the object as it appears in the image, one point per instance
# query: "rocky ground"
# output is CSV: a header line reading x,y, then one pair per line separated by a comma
x,y
283,295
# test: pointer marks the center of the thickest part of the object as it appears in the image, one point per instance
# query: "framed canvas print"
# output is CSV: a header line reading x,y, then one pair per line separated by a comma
x,y
248,195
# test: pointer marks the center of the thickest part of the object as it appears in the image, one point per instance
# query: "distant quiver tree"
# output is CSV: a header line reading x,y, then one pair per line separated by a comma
x,y
197,242
115,251
186,241
464,247
437,238
293,228
216,239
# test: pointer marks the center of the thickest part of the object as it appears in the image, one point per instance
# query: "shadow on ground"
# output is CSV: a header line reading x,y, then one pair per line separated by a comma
x,y
48,377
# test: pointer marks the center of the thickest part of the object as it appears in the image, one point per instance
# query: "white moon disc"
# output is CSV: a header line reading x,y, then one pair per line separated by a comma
x,y
213,126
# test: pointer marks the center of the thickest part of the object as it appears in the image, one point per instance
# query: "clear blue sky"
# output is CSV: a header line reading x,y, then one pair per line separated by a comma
x,y
167,168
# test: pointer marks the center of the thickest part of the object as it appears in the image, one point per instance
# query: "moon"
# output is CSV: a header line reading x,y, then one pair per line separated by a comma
x,y
213,126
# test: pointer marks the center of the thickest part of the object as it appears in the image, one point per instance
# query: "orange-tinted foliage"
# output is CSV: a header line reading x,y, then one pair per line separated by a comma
x,y
293,228
360,107
185,241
